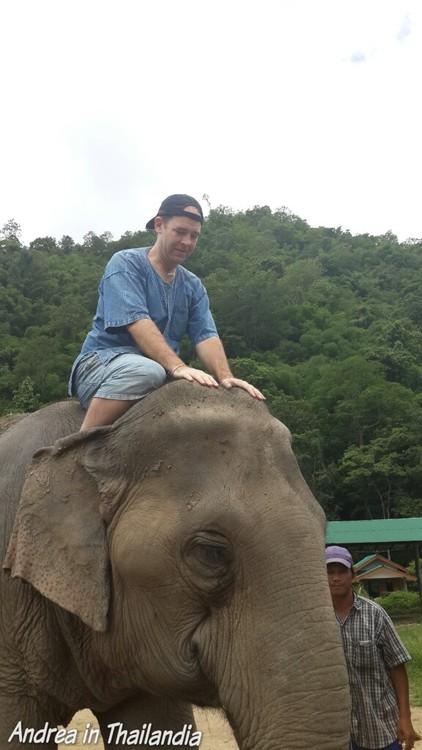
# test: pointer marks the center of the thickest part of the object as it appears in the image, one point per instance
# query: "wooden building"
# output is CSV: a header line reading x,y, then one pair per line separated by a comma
x,y
380,536
380,575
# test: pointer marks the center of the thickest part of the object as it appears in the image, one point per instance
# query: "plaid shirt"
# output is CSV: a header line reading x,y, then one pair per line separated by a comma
x,y
372,647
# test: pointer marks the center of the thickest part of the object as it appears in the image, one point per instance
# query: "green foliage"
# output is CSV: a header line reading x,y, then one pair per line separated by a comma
x,y
360,590
327,324
11,230
411,568
400,603
411,636
383,469
24,397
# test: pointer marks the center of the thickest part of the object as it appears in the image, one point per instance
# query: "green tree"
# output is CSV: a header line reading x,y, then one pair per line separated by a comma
x,y
24,397
378,474
11,230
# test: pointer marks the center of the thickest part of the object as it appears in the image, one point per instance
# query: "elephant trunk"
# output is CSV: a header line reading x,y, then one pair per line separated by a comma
x,y
281,678
297,698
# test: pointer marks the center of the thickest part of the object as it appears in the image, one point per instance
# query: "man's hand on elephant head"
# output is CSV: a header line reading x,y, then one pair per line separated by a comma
x,y
184,372
237,383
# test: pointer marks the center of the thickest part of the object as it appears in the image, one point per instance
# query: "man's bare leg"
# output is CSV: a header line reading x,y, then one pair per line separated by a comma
x,y
102,411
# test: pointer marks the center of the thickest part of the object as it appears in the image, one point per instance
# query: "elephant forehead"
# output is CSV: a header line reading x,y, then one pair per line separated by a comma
x,y
187,426
222,459
196,440
187,441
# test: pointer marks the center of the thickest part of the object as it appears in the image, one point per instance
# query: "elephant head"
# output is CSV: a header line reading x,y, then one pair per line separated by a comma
x,y
186,539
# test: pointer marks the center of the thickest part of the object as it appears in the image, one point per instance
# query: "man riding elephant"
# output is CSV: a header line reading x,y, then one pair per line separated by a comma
x,y
147,302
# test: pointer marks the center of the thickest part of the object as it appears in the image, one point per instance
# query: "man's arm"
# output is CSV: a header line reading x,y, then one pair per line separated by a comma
x,y
212,355
152,343
405,733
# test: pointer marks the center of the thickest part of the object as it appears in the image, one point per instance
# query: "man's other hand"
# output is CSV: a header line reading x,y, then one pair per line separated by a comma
x,y
406,734
237,383
184,372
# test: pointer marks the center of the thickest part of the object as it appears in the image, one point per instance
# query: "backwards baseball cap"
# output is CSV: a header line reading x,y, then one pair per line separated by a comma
x,y
340,555
175,205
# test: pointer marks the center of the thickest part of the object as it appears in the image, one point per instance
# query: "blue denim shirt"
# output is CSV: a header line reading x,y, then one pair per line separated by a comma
x,y
132,290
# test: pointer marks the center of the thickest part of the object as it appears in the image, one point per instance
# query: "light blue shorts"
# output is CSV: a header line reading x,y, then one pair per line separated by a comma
x,y
126,377
395,746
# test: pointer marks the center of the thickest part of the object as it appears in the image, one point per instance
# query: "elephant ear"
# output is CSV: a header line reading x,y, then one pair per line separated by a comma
x,y
58,543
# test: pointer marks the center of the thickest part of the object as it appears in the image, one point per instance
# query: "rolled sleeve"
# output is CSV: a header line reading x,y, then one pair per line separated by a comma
x,y
201,325
125,300
393,650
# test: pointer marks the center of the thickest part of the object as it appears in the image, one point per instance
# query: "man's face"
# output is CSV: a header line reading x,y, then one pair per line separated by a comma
x,y
340,579
178,236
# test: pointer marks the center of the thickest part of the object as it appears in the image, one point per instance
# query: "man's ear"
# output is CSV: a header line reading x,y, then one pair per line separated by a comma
x,y
159,223
58,543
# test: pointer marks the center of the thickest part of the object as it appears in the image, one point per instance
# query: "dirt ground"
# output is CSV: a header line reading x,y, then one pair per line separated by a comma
x,y
217,734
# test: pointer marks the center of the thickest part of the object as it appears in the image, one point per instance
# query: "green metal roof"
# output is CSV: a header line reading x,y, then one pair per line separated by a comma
x,y
368,532
365,559
372,567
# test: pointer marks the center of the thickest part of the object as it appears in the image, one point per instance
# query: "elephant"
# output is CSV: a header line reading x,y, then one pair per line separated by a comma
x,y
9,420
173,558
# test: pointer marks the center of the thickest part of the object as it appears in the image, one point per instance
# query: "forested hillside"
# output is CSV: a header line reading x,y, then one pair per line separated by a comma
x,y
327,324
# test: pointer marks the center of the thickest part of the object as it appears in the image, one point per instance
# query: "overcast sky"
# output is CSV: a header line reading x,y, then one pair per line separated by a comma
x,y
109,106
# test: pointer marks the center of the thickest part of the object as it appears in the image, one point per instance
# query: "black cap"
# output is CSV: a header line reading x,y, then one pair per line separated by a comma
x,y
175,205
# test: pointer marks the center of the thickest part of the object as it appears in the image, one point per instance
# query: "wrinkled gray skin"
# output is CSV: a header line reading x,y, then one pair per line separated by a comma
x,y
173,558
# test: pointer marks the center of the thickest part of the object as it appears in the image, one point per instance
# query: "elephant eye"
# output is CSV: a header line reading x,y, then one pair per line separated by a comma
x,y
209,560
212,554
210,550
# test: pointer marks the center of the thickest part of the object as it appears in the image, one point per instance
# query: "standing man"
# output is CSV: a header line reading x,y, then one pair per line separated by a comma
x,y
147,302
375,658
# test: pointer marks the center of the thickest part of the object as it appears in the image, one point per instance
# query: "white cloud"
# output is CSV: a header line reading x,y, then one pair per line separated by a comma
x,y
405,29
358,57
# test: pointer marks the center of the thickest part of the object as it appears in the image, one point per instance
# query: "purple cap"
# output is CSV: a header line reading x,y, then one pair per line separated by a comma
x,y
340,555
